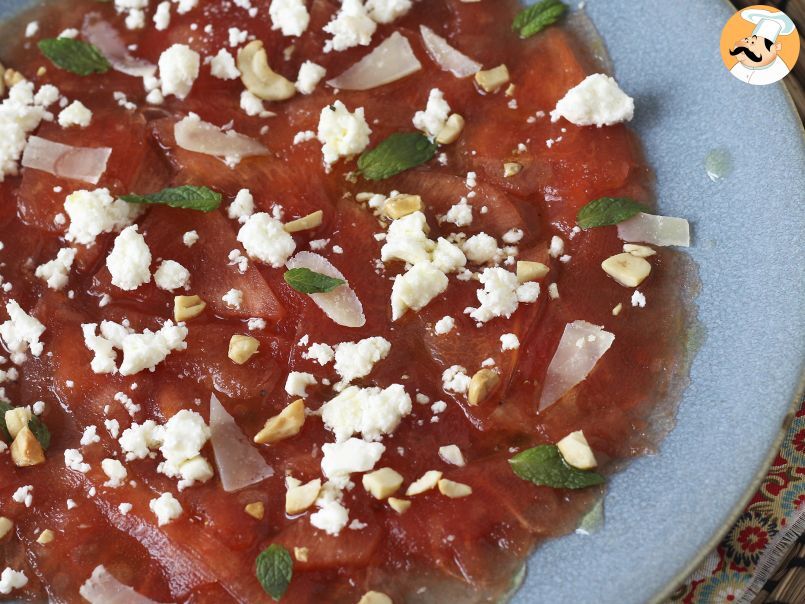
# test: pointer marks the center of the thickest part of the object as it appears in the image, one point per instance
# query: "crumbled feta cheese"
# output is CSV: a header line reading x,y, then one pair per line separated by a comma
x,y
509,341
638,299
304,136
185,6
112,427
140,350
386,11
75,461
256,324
350,27
342,133
125,508
433,119
371,412
252,105
223,66
237,36
166,508
501,294
47,94
24,494
11,579
297,383
480,248
352,455
444,325
416,288
233,298
38,407
310,74
455,379
178,70
94,212
135,19
242,206
321,353
162,16
115,472
19,115
459,214
557,247
21,333
30,31
331,517
171,275
55,272
183,436
355,360
513,236
597,100
138,439
90,436
407,240
75,114
190,238
129,262
289,16
265,239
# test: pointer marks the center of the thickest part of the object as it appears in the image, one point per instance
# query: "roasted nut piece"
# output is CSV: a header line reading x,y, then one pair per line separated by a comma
x,y
491,80
256,509
288,423
12,77
45,537
311,221
301,497
5,526
626,269
530,271
454,490
511,168
481,384
401,205
399,505
300,553
259,78
242,348
424,483
617,310
187,307
17,419
576,451
451,131
375,597
641,251
26,450
382,483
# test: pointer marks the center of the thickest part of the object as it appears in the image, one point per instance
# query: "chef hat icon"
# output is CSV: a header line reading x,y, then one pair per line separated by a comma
x,y
768,25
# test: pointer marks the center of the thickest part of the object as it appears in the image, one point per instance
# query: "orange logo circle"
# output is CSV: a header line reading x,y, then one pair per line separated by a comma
x,y
759,45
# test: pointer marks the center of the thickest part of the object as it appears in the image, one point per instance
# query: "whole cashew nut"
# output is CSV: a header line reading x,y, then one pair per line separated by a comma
x,y
259,78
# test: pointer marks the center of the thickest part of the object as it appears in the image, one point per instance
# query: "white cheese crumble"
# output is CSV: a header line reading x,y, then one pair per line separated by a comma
x,y
597,100
55,272
310,74
24,495
256,324
459,214
265,239
289,16
331,517
75,114
190,238
352,455
21,333
556,247
75,461
416,288
242,206
509,341
321,353
386,11
178,70
166,508
162,16
233,298
183,436
115,471
90,436
171,275
355,360
481,248
94,212
638,299
222,66
125,508
11,579
455,379
434,117
501,294
20,114
341,133
297,382
444,325
129,262
371,412
407,240
351,26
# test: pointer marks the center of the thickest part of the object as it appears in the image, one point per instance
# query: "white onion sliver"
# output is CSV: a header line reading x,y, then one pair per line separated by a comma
x,y
103,588
392,60
202,137
581,346
342,304
105,37
447,57
78,163
239,463
656,230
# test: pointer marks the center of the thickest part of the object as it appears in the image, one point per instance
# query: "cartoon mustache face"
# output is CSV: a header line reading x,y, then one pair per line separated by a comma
x,y
749,54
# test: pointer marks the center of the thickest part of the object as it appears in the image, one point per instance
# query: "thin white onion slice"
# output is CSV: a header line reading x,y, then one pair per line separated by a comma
x,y
392,60
79,163
656,230
108,41
239,463
342,304
447,57
103,588
202,137
581,346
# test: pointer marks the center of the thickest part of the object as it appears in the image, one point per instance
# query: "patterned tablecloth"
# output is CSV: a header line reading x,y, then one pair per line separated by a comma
x,y
737,570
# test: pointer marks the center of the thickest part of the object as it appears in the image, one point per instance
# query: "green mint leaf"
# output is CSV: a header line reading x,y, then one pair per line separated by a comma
x,y
399,152
545,466
74,56
534,19
307,281
4,406
40,430
607,211
187,196
274,570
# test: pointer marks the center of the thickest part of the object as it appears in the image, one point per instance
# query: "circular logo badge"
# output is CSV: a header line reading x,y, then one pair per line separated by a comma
x,y
760,45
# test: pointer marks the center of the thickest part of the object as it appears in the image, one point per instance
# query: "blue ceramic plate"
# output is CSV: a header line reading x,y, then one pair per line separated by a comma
x,y
663,513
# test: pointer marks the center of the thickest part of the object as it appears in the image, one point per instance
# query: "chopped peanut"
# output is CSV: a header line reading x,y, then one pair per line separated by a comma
x,y
45,537
256,509
284,425
454,490
424,483
382,483
187,307
12,77
530,271
452,130
399,505
375,597
576,451
491,80
482,383
617,310
311,221
299,498
258,77
300,553
26,450
641,251
401,205
626,269
511,168
17,419
5,526
510,90
242,348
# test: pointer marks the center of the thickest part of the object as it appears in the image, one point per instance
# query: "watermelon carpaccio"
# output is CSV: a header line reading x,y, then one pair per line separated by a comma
x,y
441,549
